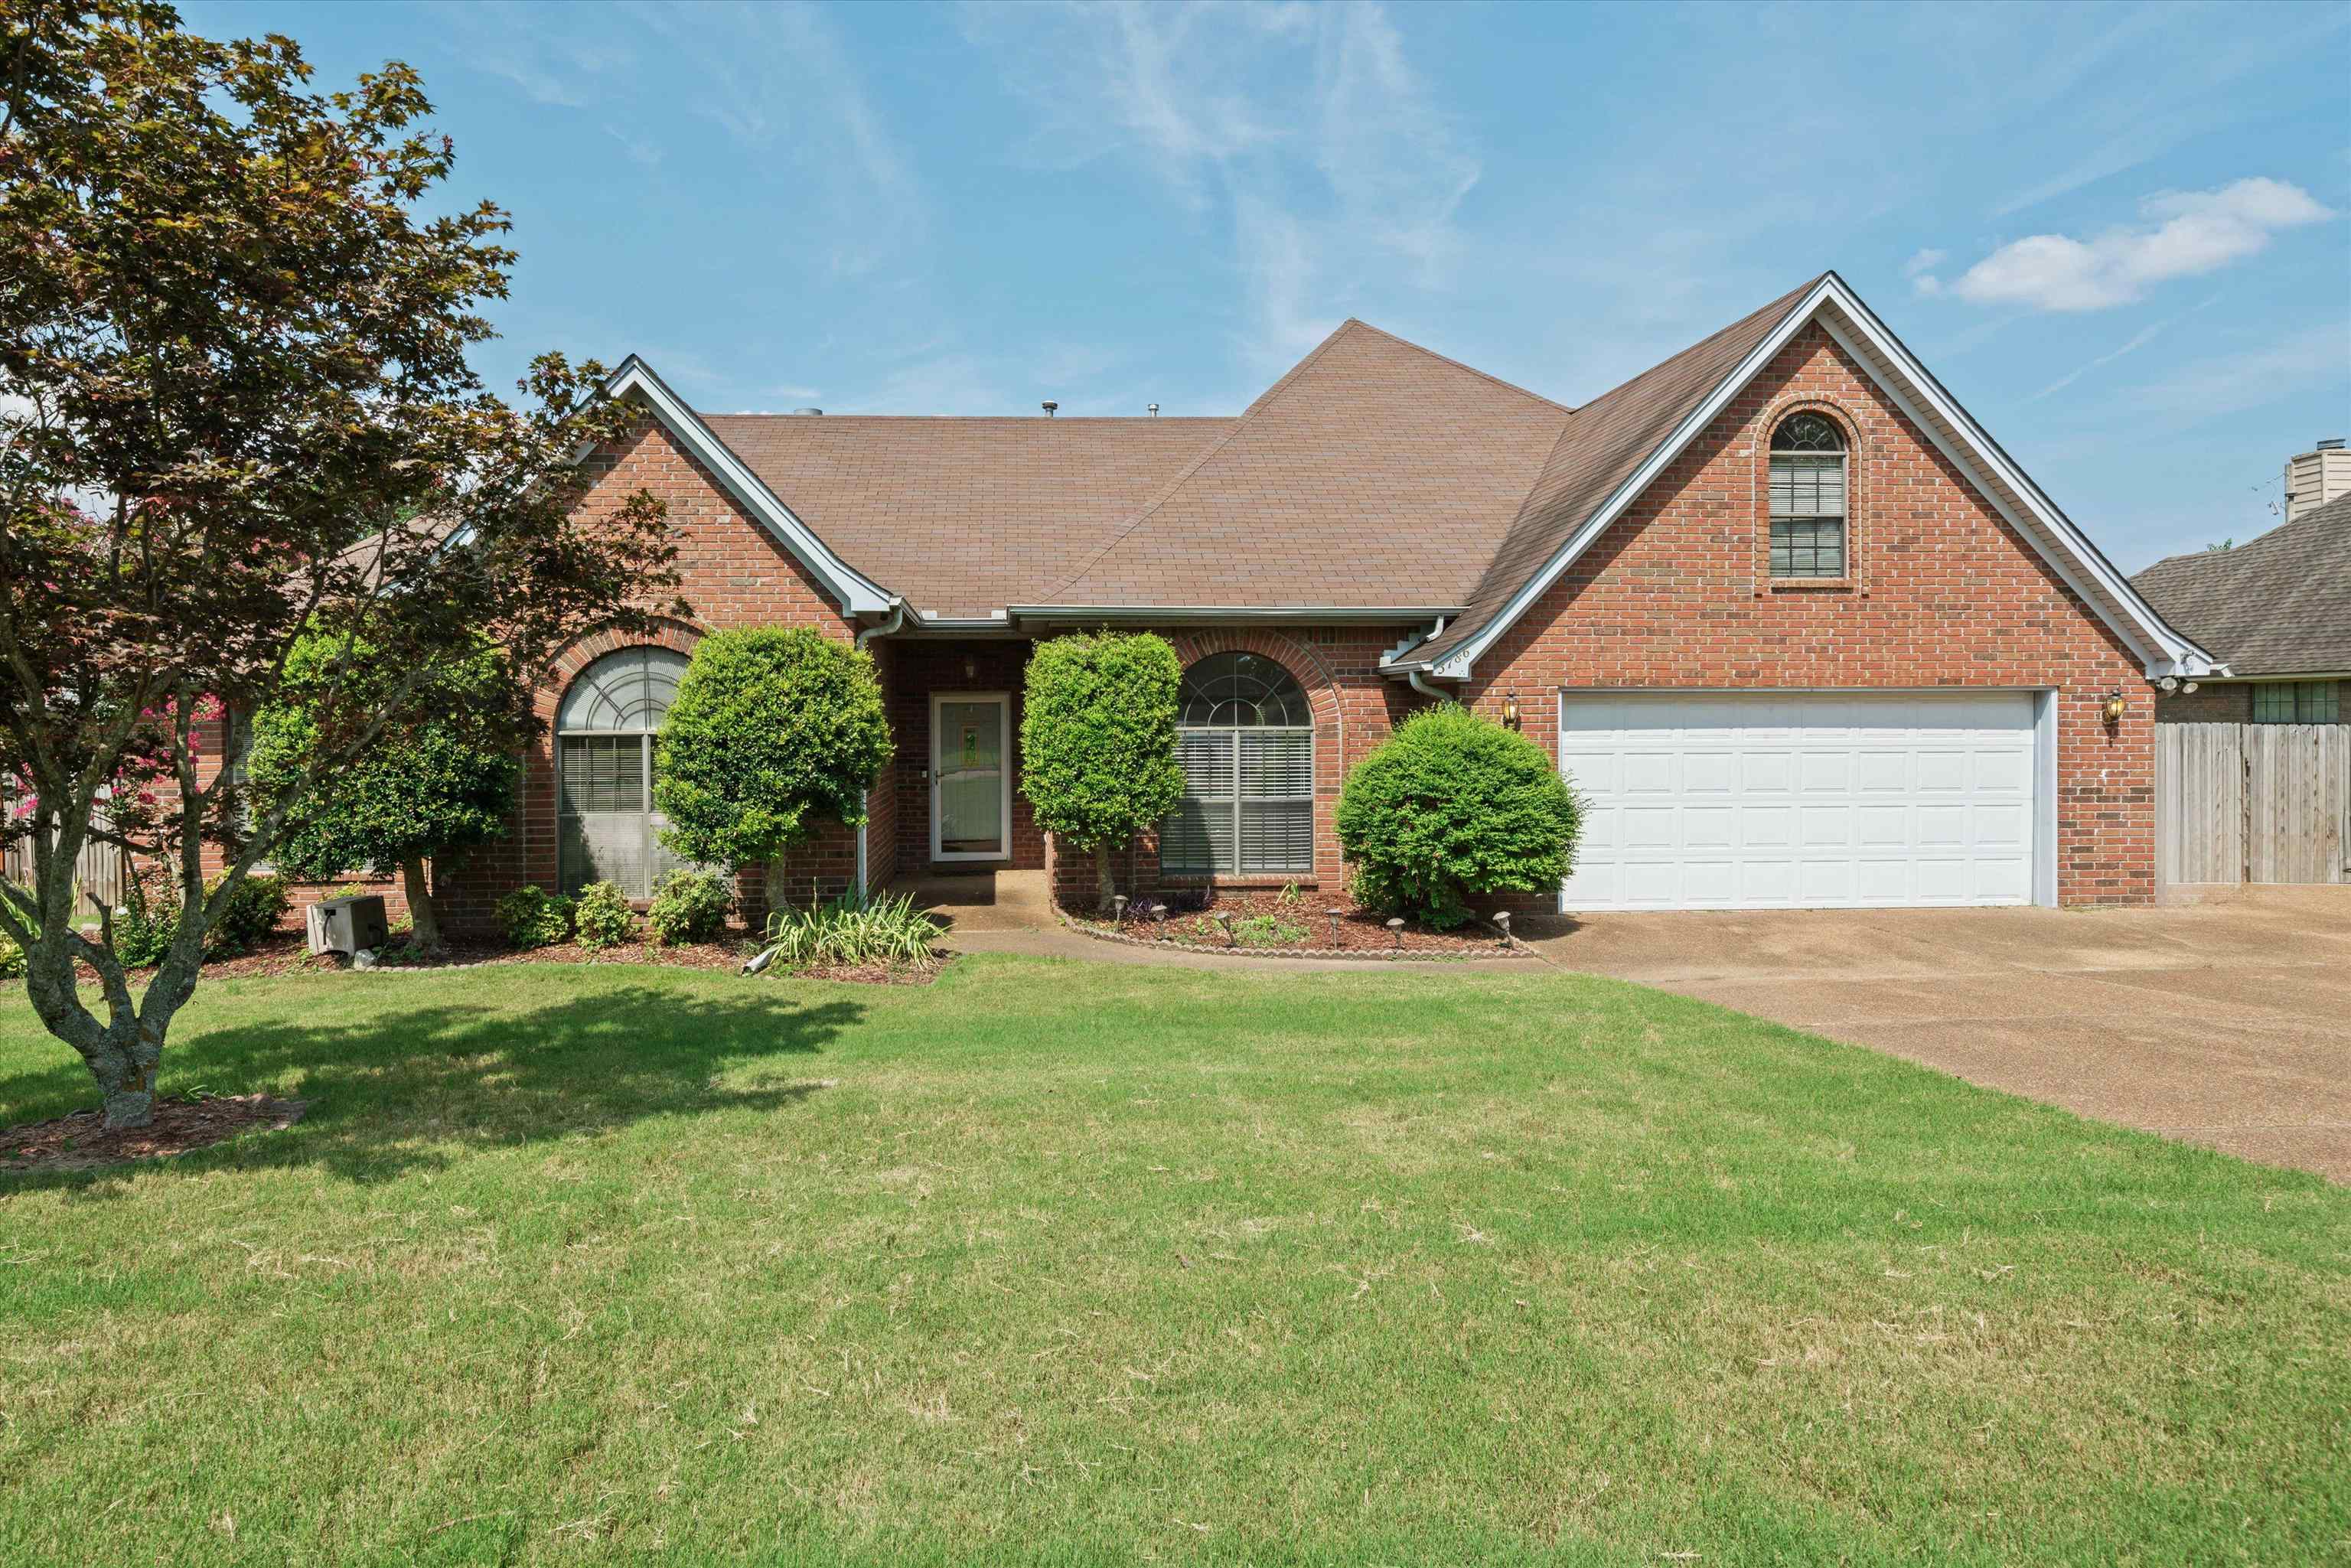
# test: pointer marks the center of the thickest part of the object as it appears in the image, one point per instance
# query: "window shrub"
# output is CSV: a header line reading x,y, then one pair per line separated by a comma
x,y
1098,739
771,732
1454,804
602,916
534,918
690,907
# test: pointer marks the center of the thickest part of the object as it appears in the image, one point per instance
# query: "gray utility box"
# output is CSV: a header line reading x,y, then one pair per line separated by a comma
x,y
348,925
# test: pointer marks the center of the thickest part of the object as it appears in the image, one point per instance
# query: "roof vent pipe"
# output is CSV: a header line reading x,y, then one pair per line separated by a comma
x,y
1048,406
808,411
1153,408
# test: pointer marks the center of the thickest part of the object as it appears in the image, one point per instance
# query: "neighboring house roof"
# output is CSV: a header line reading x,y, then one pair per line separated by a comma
x,y
1374,477
2277,605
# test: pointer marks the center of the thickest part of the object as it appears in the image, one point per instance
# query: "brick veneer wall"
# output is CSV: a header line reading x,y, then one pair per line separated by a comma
x,y
1942,593
735,574
919,668
2224,703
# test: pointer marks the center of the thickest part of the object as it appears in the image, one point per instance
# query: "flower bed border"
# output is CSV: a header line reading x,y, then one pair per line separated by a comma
x,y
1510,948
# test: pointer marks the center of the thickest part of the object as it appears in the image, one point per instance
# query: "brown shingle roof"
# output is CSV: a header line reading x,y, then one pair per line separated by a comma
x,y
2279,605
963,517
1374,474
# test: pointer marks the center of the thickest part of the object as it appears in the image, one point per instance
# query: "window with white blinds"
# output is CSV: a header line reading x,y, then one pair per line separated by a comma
x,y
1808,497
1246,740
606,827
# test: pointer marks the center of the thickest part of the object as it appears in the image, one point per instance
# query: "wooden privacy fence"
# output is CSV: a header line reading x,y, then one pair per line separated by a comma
x,y
2253,802
100,869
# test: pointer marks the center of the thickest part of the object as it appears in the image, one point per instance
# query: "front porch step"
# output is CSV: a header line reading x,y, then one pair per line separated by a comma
x,y
983,901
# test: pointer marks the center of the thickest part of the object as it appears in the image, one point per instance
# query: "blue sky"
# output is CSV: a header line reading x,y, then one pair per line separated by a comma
x,y
2117,232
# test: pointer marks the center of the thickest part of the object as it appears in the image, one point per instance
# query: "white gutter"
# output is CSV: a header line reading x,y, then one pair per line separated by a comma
x,y
1419,682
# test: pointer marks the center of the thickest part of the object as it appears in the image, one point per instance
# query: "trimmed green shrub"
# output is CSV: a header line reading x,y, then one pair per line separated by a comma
x,y
690,907
1454,804
534,918
252,913
602,916
1098,739
889,930
442,783
11,958
146,920
771,732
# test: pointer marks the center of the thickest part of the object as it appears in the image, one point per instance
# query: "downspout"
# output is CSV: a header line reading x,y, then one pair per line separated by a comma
x,y
1418,682
897,619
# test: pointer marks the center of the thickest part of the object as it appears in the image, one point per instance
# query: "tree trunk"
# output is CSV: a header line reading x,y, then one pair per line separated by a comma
x,y
1102,870
424,919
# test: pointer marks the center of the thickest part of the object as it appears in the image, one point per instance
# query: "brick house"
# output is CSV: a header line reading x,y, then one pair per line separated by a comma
x,y
1801,633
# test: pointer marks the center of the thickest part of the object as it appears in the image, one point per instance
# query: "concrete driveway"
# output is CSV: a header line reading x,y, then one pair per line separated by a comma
x,y
2227,1024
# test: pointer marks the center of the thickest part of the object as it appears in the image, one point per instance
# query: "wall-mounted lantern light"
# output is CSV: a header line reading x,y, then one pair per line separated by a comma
x,y
2116,706
1510,711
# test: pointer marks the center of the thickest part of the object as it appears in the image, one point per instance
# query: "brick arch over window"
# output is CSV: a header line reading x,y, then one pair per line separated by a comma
x,y
1316,681
1856,494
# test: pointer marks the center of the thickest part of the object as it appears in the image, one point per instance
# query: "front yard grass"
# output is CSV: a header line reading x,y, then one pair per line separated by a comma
x,y
1062,1263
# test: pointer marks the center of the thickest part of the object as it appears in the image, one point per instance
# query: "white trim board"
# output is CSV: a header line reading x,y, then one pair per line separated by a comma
x,y
858,594
2162,650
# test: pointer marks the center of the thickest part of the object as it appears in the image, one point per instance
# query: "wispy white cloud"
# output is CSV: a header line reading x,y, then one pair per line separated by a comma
x,y
1924,261
2253,377
562,67
1304,131
2188,233
2139,339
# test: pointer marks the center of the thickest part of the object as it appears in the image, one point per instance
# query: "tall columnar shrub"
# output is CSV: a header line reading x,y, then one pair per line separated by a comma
x,y
440,780
1098,739
1454,804
771,732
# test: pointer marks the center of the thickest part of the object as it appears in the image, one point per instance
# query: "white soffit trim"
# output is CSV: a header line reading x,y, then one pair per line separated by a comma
x,y
859,594
2163,650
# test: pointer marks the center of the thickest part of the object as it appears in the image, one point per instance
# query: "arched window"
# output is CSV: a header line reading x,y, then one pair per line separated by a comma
x,y
1808,497
606,827
1247,740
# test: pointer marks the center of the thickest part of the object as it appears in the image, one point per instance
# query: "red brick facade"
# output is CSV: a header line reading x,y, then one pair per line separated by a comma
x,y
1939,593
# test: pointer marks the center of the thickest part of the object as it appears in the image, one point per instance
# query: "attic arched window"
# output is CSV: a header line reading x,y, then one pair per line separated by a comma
x,y
1246,737
606,827
1808,497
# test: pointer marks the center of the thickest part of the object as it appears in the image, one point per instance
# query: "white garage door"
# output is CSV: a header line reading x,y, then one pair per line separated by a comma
x,y
1800,800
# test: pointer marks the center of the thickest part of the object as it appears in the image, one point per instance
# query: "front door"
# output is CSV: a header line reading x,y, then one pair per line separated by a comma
x,y
971,788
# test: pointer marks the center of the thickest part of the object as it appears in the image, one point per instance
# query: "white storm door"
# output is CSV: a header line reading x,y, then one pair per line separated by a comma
x,y
971,779
1801,799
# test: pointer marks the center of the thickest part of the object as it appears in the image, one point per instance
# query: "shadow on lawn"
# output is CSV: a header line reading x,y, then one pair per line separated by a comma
x,y
383,1090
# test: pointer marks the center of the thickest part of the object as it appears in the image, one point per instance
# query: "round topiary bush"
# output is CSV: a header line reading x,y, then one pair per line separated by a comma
x,y
772,731
1454,804
602,916
689,905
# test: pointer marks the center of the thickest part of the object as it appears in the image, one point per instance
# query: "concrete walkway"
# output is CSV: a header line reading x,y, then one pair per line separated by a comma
x,y
2226,1023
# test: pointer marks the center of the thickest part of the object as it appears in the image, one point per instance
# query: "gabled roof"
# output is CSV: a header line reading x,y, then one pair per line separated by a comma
x,y
963,517
1375,479
2277,605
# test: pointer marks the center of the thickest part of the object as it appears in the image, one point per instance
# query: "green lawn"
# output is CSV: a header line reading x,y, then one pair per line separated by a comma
x,y
1070,1263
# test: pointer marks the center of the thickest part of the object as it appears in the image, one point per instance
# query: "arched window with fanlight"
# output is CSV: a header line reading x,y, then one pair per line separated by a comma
x,y
1246,738
1808,497
606,827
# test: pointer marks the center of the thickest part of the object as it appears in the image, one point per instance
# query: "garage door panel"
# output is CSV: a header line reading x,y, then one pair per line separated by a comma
x,y
1801,800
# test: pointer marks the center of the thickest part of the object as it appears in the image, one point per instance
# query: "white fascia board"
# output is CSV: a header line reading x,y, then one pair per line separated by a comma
x,y
2163,651
1340,615
858,594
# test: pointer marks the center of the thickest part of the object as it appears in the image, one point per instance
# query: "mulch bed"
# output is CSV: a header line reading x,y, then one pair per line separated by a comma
x,y
1360,933
78,1141
285,953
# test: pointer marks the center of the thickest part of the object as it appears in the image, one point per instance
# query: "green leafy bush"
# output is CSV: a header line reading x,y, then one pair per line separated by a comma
x,y
772,731
534,918
442,782
690,907
147,919
1098,739
848,931
252,913
1454,804
11,958
602,916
